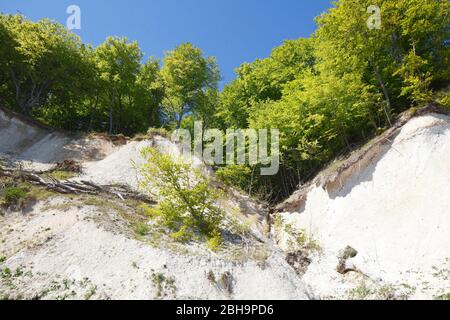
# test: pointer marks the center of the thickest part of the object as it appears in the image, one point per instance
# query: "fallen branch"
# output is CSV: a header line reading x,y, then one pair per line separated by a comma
x,y
75,187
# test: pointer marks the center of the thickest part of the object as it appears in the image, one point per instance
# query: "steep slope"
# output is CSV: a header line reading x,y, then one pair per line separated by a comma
x,y
63,251
82,247
38,147
373,225
389,201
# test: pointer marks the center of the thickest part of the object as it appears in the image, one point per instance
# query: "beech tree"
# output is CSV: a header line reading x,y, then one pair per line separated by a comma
x,y
188,78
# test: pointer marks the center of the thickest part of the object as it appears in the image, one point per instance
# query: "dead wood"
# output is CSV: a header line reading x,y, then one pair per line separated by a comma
x,y
74,187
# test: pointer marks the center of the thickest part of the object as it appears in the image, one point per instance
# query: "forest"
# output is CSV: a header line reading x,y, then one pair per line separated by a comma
x,y
326,94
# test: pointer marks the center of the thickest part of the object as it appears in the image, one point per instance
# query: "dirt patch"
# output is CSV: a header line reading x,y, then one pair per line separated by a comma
x,y
69,166
299,260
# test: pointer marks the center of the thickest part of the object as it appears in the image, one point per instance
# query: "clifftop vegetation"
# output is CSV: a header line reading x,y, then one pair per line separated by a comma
x,y
325,93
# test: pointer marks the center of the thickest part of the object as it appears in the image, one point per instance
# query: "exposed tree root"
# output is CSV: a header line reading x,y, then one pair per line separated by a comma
x,y
74,187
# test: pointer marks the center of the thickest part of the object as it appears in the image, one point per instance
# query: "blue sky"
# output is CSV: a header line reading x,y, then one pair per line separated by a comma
x,y
234,31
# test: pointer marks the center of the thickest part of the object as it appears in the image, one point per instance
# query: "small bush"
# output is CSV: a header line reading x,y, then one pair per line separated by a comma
x,y
443,297
211,277
235,176
360,292
300,240
165,286
62,175
187,202
151,133
141,228
14,195
158,132
5,273
444,101
214,241
182,235
226,282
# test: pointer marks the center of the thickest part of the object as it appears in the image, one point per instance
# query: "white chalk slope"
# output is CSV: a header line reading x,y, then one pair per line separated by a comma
x,y
62,249
39,148
395,212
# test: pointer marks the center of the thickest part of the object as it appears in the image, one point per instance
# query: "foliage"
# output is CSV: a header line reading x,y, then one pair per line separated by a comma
x,y
47,72
62,175
45,62
13,195
235,175
329,93
188,203
445,296
141,228
189,81
445,101
214,241
326,94
263,80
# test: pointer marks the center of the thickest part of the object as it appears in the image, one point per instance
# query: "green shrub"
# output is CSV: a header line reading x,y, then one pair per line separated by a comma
x,y
214,241
158,132
443,297
235,176
5,273
187,202
445,101
13,195
182,235
62,175
141,228
151,133
360,292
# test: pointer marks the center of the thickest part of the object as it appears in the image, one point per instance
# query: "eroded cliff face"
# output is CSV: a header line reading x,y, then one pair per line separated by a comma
x,y
379,221
77,246
375,225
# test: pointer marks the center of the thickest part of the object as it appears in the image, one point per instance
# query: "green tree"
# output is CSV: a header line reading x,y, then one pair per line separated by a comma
x,y
187,203
118,63
149,93
190,82
328,93
7,54
73,107
413,36
46,57
264,80
7,50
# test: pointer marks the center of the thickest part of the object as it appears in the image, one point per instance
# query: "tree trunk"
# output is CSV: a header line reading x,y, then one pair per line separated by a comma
x,y
110,131
388,108
180,118
92,109
110,120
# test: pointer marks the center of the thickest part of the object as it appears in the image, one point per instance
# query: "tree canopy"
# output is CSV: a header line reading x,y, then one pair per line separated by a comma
x,y
326,93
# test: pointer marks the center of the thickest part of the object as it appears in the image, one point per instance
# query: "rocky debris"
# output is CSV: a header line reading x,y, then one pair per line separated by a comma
x,y
299,260
116,140
347,253
344,265
69,166
226,282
